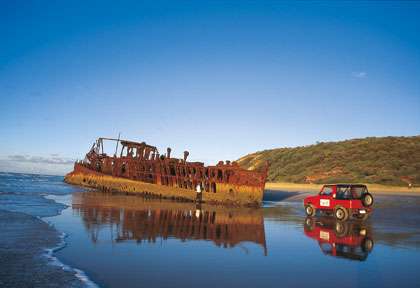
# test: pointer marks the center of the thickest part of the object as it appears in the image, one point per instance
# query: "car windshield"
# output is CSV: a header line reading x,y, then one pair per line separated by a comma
x,y
327,190
350,192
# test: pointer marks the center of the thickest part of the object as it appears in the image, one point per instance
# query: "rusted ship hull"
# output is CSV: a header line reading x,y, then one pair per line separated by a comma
x,y
141,170
225,193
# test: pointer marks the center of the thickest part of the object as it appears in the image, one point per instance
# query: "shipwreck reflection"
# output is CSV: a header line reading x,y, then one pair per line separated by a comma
x,y
351,239
140,219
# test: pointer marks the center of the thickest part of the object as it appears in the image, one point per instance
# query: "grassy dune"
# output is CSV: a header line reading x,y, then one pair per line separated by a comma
x,y
390,161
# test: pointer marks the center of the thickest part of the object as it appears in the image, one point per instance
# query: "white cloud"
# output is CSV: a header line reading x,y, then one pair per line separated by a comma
x,y
54,159
53,165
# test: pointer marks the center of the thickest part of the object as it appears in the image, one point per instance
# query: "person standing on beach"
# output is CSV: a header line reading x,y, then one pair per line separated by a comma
x,y
199,194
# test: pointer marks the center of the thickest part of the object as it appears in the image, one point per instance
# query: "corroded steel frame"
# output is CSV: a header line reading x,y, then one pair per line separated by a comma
x,y
142,162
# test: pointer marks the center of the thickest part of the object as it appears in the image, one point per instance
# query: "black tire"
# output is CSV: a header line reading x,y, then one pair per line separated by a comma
x,y
310,210
363,217
367,200
341,214
367,245
339,228
309,224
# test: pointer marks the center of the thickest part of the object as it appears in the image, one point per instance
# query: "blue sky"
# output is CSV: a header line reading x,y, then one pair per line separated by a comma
x,y
220,79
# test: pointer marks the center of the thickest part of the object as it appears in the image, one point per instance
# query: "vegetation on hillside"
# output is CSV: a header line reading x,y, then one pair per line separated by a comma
x,y
385,160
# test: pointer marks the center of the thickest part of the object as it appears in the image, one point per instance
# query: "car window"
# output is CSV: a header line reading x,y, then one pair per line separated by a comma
x,y
327,190
343,193
357,192
350,192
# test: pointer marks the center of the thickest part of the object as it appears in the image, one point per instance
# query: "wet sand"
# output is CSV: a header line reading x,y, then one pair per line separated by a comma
x,y
23,240
124,241
26,241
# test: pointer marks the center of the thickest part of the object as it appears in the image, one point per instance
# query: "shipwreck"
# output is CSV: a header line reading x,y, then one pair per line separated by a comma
x,y
150,220
138,168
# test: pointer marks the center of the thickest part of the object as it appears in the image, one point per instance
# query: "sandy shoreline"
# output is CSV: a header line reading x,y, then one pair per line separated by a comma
x,y
374,188
28,241
23,244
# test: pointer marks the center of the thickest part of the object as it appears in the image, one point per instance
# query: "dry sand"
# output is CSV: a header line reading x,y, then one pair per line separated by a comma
x,y
375,188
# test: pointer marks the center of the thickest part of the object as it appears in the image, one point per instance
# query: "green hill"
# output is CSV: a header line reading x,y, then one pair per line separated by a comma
x,y
385,160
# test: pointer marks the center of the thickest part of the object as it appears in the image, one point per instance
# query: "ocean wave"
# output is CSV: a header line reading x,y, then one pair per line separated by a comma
x,y
8,174
20,192
53,260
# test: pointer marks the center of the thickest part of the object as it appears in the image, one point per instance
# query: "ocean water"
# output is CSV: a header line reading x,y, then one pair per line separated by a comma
x,y
24,193
128,241
27,242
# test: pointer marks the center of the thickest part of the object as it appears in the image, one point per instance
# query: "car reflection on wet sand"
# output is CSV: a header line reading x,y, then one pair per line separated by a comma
x,y
140,219
349,239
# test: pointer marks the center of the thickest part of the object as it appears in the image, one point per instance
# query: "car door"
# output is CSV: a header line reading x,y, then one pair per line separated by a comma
x,y
325,198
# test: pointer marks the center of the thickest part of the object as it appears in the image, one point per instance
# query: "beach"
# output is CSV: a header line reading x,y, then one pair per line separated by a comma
x,y
180,144
27,241
374,188
25,262
57,235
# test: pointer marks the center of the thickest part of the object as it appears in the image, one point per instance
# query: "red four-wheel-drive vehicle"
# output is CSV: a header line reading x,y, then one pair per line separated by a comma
x,y
344,200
